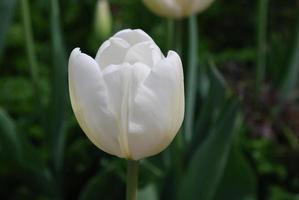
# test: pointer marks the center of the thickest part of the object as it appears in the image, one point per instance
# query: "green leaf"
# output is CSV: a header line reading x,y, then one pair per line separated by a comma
x,y
95,187
238,182
24,157
290,81
148,193
191,78
218,91
58,105
6,13
209,161
9,140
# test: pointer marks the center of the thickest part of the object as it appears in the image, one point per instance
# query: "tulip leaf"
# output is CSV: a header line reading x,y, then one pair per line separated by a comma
x,y
25,158
218,91
238,182
191,78
206,167
9,140
96,185
6,13
147,193
290,79
58,103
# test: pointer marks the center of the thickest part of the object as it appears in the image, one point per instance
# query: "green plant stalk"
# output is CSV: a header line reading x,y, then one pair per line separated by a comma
x,y
170,33
57,107
132,179
178,36
59,89
191,78
7,9
290,80
262,25
30,46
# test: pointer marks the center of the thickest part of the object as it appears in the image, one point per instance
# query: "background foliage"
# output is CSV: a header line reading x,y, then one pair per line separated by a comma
x,y
240,139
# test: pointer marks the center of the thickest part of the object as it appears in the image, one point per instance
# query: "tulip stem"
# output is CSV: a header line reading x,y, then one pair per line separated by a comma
x,y
132,179
30,48
262,42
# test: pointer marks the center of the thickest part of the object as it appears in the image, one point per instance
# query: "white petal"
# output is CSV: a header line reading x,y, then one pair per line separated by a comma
x,y
199,6
112,52
90,103
122,82
133,36
145,52
158,109
167,8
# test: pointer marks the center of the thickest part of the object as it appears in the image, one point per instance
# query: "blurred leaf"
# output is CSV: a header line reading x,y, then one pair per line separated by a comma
x,y
58,103
290,80
94,189
15,148
148,193
238,182
218,91
278,193
6,12
9,140
14,97
191,78
208,163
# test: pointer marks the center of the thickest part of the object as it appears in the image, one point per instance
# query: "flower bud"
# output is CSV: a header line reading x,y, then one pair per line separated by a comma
x,y
177,8
103,19
129,100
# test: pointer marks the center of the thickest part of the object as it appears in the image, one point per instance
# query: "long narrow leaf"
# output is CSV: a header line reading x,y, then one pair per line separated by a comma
x,y
208,163
9,140
6,12
238,182
59,89
290,80
191,78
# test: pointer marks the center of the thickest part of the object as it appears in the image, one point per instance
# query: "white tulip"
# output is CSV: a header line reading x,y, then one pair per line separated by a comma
x,y
129,100
177,8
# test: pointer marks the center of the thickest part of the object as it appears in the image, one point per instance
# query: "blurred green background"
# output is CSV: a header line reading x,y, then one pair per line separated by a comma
x,y
240,139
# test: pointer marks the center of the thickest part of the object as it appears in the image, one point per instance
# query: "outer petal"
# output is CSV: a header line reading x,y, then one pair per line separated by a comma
x,y
158,108
166,8
90,103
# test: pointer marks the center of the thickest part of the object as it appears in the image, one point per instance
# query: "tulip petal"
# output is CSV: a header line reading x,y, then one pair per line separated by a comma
x,y
158,109
199,6
133,36
122,82
167,8
113,51
89,100
144,52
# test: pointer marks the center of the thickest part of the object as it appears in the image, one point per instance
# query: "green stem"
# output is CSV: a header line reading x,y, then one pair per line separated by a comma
x,y
191,77
290,79
178,36
30,46
132,179
262,42
170,33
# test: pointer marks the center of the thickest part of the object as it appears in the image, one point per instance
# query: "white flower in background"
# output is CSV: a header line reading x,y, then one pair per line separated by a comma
x,y
129,100
103,19
177,8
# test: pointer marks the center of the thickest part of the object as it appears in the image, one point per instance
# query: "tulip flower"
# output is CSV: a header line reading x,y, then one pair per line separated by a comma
x,y
129,100
177,8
